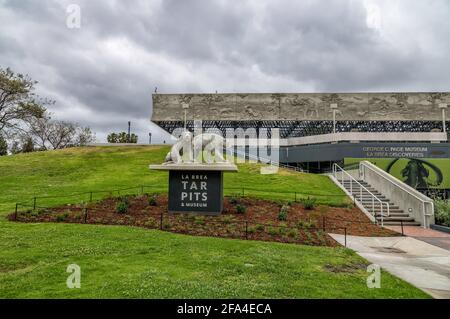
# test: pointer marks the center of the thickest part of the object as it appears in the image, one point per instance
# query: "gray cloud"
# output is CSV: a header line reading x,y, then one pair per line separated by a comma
x,y
103,74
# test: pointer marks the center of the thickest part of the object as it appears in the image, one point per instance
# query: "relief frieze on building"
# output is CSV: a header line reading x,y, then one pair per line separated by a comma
x,y
300,106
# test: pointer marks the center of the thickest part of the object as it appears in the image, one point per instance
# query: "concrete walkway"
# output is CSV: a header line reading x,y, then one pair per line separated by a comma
x,y
431,236
419,263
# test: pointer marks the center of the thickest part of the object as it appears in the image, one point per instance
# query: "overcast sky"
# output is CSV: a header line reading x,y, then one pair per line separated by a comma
x,y
103,73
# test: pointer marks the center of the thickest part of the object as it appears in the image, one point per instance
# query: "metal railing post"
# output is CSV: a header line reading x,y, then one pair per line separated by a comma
x,y
345,236
246,229
15,213
34,203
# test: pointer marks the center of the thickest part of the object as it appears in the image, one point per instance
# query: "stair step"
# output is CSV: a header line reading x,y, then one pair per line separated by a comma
x,y
366,197
405,219
394,223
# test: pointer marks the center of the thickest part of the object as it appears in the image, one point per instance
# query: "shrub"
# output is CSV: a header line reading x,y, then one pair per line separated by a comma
x,y
241,209
306,224
61,217
282,216
309,238
282,230
272,231
234,200
308,203
122,206
251,229
292,233
442,212
199,220
152,200
227,219
259,227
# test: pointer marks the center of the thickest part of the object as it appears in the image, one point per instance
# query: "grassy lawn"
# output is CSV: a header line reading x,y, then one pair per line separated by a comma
x,y
120,261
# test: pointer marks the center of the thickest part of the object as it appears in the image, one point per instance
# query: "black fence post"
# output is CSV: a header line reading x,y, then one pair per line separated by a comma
x,y
243,191
345,236
15,213
161,221
246,229
142,189
90,197
401,224
295,200
323,223
85,215
34,203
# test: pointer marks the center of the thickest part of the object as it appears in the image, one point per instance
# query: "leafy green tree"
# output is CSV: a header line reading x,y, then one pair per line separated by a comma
x,y
17,100
122,137
3,146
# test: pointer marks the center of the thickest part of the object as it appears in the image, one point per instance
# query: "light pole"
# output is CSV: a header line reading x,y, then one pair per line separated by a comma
x,y
129,132
150,138
185,107
334,107
443,107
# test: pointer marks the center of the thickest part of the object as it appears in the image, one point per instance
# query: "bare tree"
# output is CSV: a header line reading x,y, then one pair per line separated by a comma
x,y
47,133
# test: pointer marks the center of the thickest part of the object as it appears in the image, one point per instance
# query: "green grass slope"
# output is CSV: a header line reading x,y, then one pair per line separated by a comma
x,y
128,262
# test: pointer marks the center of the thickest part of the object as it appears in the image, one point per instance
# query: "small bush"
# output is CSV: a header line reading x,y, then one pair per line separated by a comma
x,y
251,229
308,203
282,230
227,219
292,233
61,217
259,227
152,200
199,220
234,200
309,238
241,209
122,206
282,216
306,224
272,231
442,212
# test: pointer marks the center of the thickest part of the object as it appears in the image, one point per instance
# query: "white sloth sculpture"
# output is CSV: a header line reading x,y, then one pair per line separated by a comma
x,y
207,144
182,147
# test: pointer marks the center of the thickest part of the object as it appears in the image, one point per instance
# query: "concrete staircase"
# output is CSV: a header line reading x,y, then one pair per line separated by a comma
x,y
396,215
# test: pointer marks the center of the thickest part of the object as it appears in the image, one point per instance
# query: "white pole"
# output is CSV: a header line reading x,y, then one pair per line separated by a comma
x,y
443,107
334,107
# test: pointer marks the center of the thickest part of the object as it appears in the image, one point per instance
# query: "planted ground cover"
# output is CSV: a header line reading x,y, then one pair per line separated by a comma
x,y
243,217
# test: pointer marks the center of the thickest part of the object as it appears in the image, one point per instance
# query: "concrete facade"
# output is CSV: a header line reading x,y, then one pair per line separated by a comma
x,y
300,106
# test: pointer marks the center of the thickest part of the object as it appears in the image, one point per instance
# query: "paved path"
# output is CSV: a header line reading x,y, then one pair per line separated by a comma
x,y
419,263
431,236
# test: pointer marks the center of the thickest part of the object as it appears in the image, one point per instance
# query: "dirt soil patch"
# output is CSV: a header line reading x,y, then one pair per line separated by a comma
x,y
242,217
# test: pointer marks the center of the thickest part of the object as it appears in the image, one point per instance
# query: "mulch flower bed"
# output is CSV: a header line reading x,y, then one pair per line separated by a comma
x,y
242,217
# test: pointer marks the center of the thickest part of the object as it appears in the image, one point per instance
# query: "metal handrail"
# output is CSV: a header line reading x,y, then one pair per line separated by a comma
x,y
336,167
423,201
